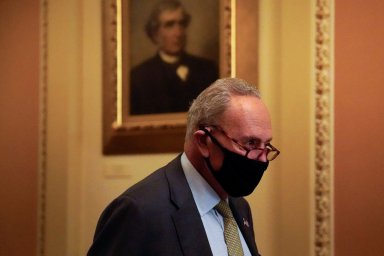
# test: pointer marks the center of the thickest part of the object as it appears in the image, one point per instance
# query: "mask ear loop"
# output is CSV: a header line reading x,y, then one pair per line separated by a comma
x,y
207,160
214,140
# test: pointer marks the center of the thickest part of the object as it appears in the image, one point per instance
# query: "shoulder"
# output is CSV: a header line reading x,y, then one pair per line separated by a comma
x,y
155,186
140,199
151,187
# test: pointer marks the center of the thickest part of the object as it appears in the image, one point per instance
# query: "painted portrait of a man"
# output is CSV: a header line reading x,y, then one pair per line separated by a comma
x,y
172,75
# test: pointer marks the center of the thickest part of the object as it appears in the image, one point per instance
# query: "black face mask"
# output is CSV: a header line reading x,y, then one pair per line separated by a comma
x,y
238,175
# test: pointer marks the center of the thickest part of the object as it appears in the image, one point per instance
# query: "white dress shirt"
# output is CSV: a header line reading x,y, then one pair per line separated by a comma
x,y
206,199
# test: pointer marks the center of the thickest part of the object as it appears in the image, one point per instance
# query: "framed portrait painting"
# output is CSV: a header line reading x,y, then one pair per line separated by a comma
x,y
158,55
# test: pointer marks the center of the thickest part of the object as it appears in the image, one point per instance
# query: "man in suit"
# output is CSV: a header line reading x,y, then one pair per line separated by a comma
x,y
170,80
174,210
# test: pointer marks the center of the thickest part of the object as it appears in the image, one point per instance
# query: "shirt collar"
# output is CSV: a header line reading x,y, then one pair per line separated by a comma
x,y
203,194
170,59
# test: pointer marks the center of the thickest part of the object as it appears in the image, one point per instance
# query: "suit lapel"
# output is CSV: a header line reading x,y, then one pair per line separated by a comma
x,y
188,224
190,231
244,221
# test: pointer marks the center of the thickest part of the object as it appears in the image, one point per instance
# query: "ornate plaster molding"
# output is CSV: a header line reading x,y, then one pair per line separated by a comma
x,y
323,132
43,113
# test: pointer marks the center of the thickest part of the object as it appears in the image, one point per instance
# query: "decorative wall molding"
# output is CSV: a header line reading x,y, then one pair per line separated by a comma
x,y
43,124
323,133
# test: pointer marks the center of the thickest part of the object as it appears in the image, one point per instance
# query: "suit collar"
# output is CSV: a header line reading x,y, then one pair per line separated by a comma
x,y
204,195
186,218
245,224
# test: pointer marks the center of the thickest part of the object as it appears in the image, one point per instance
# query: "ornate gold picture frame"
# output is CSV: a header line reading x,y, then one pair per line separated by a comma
x,y
124,133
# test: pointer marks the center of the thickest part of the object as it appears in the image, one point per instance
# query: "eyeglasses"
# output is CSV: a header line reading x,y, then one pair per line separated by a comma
x,y
253,152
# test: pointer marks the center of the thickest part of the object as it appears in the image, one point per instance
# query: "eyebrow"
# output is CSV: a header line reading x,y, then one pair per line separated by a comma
x,y
255,139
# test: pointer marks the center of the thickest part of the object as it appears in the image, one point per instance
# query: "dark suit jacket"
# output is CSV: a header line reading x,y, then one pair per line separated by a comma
x,y
158,216
156,88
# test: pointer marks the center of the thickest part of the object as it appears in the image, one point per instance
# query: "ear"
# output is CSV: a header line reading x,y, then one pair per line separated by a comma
x,y
200,140
155,37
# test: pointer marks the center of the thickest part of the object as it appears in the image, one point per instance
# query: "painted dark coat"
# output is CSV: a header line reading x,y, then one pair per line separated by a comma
x,y
155,87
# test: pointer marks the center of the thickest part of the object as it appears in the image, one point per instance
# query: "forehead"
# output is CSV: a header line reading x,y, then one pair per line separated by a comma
x,y
171,14
247,117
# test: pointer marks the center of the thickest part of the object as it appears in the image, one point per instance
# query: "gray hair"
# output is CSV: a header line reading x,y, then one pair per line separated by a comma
x,y
207,108
153,23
